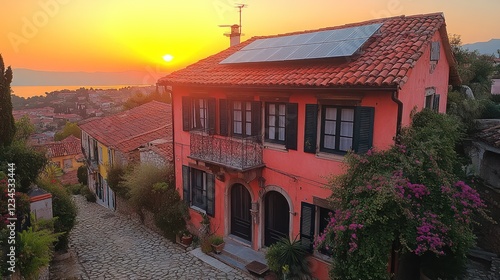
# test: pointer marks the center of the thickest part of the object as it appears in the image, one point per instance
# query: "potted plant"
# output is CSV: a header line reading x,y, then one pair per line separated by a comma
x,y
217,243
186,237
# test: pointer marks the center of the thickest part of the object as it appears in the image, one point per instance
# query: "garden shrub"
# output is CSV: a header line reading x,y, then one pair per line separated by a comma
x,y
88,194
287,258
82,175
35,251
63,208
74,189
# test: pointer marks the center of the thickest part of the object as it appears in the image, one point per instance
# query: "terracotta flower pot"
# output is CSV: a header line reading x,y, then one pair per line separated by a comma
x,y
218,248
186,239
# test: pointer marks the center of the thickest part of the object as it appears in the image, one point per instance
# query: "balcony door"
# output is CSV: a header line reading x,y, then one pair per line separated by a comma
x,y
241,220
277,218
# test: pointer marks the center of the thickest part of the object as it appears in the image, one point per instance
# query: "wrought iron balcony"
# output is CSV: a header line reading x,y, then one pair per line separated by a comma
x,y
236,153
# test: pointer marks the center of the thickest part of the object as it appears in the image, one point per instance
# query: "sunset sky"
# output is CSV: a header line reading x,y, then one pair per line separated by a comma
x,y
121,35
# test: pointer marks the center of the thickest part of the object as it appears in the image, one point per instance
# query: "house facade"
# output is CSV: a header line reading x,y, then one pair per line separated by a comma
x,y
260,127
65,154
117,139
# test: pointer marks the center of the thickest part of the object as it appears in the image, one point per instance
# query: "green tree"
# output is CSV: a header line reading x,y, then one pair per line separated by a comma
x,y
28,162
69,128
7,126
24,128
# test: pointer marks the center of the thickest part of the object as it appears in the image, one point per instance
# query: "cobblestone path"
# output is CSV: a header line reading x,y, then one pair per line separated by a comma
x,y
110,246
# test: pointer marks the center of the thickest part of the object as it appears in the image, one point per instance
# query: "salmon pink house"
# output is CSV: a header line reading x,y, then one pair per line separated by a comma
x,y
260,126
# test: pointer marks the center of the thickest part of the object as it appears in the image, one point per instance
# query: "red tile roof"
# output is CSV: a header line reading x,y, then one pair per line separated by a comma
x,y
489,132
69,146
386,60
128,130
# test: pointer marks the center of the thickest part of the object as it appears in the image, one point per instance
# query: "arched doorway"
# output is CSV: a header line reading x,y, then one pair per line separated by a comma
x,y
277,218
241,220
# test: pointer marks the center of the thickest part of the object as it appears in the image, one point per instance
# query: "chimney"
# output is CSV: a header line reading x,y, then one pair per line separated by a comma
x,y
234,36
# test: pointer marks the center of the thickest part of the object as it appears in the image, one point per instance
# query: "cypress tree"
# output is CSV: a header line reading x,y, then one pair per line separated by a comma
x,y
7,126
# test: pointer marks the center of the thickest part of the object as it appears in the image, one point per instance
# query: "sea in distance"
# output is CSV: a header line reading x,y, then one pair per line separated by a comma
x,y
30,91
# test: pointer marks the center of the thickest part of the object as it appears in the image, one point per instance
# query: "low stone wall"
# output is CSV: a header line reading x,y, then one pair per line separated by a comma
x,y
124,207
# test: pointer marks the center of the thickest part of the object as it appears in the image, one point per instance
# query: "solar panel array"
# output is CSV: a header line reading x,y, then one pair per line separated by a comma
x,y
321,44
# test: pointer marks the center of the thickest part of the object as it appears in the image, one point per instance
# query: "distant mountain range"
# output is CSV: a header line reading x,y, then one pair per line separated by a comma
x,y
28,77
489,47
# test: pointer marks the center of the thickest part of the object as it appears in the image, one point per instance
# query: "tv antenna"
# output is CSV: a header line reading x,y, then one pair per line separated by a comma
x,y
239,7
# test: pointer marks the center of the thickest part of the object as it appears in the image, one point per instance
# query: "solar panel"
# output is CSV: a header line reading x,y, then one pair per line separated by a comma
x,y
321,44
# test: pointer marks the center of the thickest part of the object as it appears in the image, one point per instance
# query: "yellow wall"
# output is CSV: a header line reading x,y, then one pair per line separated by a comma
x,y
104,163
60,162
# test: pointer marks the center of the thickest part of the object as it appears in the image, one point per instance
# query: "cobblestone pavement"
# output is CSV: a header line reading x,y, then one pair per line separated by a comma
x,y
109,246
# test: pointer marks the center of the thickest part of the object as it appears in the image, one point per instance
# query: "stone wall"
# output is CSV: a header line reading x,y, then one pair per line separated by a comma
x,y
148,156
124,207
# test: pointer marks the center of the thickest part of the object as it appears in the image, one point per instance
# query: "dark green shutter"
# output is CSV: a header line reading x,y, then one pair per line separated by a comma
x,y
186,113
291,125
435,102
307,219
211,115
210,195
363,129
311,128
256,118
186,186
224,118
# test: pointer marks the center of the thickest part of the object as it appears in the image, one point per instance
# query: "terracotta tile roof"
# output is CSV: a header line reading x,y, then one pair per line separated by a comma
x,y
128,130
385,60
163,148
489,132
69,146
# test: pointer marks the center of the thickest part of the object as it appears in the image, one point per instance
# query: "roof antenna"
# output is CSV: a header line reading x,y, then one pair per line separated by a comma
x,y
235,33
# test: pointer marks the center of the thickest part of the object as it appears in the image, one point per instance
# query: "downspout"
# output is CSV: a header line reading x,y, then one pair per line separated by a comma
x,y
394,98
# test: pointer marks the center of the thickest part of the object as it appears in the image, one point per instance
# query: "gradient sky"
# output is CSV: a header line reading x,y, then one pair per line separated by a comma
x,y
121,35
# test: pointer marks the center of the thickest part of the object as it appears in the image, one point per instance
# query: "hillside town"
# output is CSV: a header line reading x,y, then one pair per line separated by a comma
x,y
368,150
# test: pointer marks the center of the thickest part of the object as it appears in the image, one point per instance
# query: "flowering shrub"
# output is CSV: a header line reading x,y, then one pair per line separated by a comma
x,y
407,197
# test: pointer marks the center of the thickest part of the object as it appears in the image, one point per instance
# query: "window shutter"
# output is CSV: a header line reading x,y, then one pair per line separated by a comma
x,y
186,113
435,102
291,125
186,186
307,219
435,51
311,128
256,117
211,115
223,115
363,129
210,195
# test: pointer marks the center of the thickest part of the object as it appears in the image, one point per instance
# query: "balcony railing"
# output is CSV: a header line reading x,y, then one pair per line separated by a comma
x,y
236,153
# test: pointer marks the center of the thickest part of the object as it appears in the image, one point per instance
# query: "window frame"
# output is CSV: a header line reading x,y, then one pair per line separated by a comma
x,y
338,125
277,115
199,122
207,186
245,108
314,227
195,188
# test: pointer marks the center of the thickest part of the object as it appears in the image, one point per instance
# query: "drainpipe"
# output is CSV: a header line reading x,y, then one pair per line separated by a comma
x,y
394,98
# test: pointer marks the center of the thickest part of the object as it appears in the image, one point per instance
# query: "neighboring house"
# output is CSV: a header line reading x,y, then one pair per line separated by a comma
x,y
485,152
158,152
65,154
259,127
40,204
116,139
495,86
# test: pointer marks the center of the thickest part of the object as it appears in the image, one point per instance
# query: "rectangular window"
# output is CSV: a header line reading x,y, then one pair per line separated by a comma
x,y
275,122
200,110
337,130
431,99
313,221
242,118
68,163
110,157
198,114
199,189
99,156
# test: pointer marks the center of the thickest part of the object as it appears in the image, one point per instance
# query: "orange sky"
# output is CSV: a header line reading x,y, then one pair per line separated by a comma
x,y
121,35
